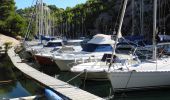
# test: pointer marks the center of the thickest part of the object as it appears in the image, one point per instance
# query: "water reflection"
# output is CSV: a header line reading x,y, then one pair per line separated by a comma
x,y
100,88
12,90
157,94
13,83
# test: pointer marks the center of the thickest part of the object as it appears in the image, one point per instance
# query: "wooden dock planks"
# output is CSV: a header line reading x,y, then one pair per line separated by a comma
x,y
64,88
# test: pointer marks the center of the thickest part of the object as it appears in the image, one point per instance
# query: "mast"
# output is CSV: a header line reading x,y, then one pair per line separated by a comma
x,y
154,29
132,3
41,19
36,19
120,25
52,25
164,17
119,29
141,17
47,21
82,31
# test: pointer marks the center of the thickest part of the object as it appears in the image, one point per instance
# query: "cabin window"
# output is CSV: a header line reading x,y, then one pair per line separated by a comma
x,y
53,44
107,58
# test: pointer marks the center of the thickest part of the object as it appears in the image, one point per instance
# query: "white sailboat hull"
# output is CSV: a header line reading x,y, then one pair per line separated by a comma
x,y
138,80
97,70
96,76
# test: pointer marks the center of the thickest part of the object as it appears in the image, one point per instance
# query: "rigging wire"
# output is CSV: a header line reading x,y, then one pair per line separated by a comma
x,y
27,31
164,17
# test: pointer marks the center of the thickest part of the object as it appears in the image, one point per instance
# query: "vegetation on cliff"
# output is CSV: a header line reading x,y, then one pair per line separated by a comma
x,y
95,16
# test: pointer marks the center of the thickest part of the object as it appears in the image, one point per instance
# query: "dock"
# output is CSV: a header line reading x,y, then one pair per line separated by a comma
x,y
2,50
57,85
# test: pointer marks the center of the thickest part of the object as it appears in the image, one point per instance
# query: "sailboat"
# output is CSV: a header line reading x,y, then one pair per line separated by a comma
x,y
42,29
40,50
97,70
147,74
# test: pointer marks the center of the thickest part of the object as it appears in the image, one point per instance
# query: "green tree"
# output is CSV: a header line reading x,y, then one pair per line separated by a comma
x,y
7,8
11,23
16,25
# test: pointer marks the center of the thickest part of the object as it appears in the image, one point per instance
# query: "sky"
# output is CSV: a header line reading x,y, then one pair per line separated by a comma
x,y
58,3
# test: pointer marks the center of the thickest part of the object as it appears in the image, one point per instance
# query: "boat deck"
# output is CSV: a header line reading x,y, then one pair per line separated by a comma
x,y
59,86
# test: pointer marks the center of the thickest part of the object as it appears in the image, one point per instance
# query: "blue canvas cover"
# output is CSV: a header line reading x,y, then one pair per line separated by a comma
x,y
53,44
47,38
97,47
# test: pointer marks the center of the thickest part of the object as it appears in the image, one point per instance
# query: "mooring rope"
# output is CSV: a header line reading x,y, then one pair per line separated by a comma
x,y
129,79
110,96
75,77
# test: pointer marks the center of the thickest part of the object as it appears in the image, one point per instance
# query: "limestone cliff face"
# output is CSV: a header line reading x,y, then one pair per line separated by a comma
x,y
107,21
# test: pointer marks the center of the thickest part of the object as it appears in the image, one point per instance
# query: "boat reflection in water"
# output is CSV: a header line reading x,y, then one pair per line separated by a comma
x,y
14,84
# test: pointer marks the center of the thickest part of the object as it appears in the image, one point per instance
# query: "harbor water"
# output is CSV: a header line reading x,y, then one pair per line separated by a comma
x,y
104,88
15,84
